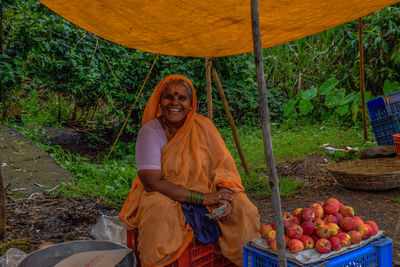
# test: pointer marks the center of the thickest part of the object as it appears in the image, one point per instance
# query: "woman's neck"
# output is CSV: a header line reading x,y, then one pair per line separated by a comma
x,y
170,129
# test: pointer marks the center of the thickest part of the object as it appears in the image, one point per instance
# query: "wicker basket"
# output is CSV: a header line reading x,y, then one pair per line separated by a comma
x,y
368,174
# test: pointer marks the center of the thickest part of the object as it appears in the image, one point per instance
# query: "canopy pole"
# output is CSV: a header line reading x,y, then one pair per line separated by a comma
x,y
133,106
231,121
264,116
2,208
208,63
361,47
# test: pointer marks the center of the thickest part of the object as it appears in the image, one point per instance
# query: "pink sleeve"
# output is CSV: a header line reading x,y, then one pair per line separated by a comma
x,y
148,150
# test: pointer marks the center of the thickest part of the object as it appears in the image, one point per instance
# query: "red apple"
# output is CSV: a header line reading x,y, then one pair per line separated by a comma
x,y
335,242
323,246
295,231
365,230
295,245
347,211
271,236
321,203
374,227
308,227
338,216
345,239
357,221
308,242
331,206
265,229
273,226
330,219
287,240
323,231
355,237
318,210
273,245
318,222
340,205
315,237
286,215
294,220
286,224
347,224
333,228
333,200
307,214
297,213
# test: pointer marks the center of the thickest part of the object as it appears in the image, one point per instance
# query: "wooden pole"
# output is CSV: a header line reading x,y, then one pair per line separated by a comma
x,y
361,47
208,63
264,116
2,93
231,121
2,208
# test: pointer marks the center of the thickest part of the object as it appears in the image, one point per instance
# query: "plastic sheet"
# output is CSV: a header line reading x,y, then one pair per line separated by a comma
x,y
12,257
110,228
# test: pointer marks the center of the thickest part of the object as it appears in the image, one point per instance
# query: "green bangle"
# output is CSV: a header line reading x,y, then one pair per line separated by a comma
x,y
194,197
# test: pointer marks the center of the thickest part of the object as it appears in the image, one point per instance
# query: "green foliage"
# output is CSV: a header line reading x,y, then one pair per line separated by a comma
x,y
390,87
325,98
107,182
254,183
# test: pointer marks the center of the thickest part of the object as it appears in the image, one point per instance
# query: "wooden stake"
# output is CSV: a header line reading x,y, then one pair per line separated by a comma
x,y
2,208
208,63
264,116
361,47
231,121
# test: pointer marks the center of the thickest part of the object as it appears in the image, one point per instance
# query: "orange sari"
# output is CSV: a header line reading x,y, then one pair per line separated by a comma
x,y
196,158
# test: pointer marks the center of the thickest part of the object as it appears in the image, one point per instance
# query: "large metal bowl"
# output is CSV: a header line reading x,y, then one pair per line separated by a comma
x,y
51,255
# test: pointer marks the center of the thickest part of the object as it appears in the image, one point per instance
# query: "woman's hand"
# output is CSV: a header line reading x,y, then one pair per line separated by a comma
x,y
227,213
218,198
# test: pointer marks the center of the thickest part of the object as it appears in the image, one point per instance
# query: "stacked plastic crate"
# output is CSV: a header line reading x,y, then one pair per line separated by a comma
x,y
384,112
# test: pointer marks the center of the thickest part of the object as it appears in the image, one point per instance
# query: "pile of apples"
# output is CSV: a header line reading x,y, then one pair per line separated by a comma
x,y
325,226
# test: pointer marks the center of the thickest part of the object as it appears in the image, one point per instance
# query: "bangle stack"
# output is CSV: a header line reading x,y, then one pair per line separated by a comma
x,y
194,197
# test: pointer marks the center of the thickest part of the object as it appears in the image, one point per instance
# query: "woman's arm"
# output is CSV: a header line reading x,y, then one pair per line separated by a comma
x,y
152,180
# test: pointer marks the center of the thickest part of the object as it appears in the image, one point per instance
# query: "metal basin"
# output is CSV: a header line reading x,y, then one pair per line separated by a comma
x,y
51,255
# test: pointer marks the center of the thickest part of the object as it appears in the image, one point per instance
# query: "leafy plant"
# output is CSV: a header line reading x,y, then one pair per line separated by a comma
x,y
326,97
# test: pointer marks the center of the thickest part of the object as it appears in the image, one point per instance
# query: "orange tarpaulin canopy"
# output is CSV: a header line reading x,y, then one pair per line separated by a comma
x,y
202,28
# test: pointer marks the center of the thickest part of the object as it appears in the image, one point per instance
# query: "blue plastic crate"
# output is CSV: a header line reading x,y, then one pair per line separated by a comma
x,y
384,106
385,128
377,108
377,253
393,102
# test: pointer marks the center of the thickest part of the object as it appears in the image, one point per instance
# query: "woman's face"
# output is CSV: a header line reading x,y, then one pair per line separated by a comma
x,y
175,104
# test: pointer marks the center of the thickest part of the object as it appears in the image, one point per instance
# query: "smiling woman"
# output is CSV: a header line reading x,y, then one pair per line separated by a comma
x,y
185,171
175,104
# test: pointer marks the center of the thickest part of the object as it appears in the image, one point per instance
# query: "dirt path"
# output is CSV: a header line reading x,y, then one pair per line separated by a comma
x,y
26,168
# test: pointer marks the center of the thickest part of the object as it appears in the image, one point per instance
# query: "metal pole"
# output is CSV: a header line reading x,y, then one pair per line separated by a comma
x,y
264,116
209,89
361,47
231,121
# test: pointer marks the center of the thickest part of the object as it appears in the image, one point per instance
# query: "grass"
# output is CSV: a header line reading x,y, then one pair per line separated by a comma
x,y
290,144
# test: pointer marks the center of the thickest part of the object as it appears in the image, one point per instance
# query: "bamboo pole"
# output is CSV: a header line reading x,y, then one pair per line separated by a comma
x,y
133,106
264,116
231,121
2,208
208,63
361,47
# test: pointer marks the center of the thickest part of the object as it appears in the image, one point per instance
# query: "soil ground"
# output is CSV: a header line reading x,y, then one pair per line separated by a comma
x,y
42,217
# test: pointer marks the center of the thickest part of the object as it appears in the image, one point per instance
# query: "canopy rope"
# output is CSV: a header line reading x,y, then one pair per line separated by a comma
x,y
133,106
